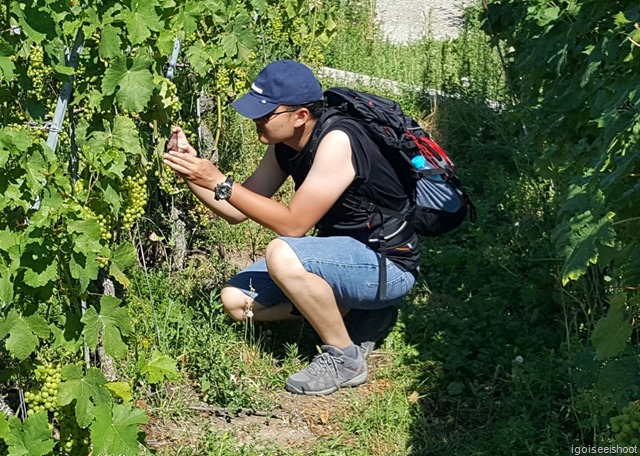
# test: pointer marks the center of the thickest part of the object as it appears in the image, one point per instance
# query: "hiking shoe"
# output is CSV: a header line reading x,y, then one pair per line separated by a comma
x,y
328,371
368,328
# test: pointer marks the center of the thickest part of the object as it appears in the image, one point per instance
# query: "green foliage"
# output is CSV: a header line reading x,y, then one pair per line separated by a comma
x,y
31,437
572,66
69,217
465,65
296,29
116,429
158,368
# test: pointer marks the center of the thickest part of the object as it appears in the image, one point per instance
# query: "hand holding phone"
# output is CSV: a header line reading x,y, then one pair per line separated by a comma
x,y
178,142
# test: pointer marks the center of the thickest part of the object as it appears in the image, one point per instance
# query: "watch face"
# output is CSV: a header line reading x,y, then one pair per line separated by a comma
x,y
223,191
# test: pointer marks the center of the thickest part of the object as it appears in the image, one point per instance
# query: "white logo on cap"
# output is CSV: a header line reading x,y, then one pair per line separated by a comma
x,y
256,88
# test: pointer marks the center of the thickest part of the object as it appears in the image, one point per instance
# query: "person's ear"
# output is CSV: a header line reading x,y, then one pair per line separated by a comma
x,y
302,116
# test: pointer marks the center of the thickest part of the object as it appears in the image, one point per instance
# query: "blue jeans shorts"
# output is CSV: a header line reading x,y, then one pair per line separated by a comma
x,y
348,266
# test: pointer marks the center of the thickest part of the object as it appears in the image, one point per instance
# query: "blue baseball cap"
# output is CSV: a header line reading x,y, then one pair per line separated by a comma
x,y
283,82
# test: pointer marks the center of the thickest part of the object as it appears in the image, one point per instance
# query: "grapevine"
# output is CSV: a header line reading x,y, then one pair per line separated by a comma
x,y
58,246
626,426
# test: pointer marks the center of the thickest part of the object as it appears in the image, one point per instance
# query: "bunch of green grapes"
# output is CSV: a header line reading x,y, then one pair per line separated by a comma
x,y
104,220
105,226
79,187
44,396
240,80
222,80
39,74
199,212
73,439
37,71
297,32
276,24
169,94
314,56
626,426
135,200
167,180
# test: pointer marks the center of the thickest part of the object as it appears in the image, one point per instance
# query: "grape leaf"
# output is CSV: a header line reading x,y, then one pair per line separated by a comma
x,y
6,68
114,162
109,42
88,235
40,266
113,321
24,24
67,333
89,391
110,195
84,267
241,40
141,19
618,377
4,426
6,285
121,390
135,84
158,368
124,135
581,240
612,332
14,142
124,257
24,333
187,17
202,57
548,15
115,430
31,438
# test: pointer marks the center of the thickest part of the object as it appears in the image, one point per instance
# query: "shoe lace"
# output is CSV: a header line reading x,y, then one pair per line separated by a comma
x,y
323,362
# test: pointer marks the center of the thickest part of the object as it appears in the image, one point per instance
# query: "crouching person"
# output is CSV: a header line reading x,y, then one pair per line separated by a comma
x,y
333,279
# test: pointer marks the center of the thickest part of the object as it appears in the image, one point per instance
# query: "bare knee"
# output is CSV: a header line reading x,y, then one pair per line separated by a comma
x,y
282,261
235,303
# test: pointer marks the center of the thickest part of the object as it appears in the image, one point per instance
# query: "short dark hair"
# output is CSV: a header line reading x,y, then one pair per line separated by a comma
x,y
316,108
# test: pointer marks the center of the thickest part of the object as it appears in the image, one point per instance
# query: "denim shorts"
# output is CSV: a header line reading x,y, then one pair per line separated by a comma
x,y
349,267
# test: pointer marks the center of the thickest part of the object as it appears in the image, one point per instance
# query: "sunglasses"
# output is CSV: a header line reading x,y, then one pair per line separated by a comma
x,y
271,115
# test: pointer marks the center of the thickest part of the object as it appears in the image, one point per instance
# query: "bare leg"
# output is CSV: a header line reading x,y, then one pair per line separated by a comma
x,y
236,304
311,294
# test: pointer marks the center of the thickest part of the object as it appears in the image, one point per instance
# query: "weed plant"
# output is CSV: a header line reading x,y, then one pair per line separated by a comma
x,y
466,64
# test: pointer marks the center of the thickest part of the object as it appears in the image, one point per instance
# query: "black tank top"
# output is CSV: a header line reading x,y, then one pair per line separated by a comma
x,y
375,182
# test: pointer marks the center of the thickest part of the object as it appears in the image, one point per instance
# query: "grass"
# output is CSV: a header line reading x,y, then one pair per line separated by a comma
x,y
488,357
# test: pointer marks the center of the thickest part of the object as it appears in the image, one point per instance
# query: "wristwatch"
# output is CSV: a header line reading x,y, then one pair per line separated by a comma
x,y
223,190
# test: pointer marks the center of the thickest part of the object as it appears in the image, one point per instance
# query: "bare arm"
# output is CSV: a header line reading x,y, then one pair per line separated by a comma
x,y
265,181
202,176
330,175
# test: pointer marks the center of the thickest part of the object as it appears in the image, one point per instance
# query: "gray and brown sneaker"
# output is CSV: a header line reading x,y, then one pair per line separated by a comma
x,y
330,370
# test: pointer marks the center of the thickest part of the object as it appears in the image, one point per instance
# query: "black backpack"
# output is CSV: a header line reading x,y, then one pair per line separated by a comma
x,y
405,144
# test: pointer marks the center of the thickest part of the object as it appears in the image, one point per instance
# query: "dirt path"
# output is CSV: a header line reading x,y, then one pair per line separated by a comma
x,y
296,423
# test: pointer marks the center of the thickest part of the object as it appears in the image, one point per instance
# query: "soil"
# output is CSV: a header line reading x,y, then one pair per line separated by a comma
x,y
298,422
